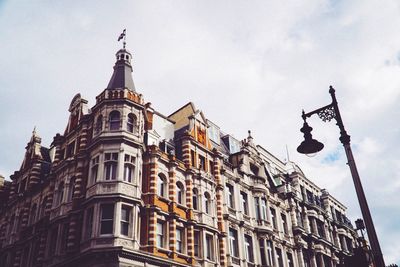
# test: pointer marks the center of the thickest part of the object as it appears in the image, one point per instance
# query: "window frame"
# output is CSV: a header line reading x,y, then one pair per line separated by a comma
x,y
180,193
161,235
114,119
125,222
111,166
131,122
162,185
129,168
103,220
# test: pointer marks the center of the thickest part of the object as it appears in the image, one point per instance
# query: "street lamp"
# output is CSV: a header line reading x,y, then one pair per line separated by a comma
x,y
310,145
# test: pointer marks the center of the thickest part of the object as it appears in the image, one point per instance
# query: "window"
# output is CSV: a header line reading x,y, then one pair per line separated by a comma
x,y
245,206
284,224
125,220
320,228
95,169
52,241
161,234
24,257
196,243
192,158
179,240
110,166
257,205
22,186
299,218
107,219
43,208
248,244
33,214
64,237
213,133
312,226
202,163
131,123
310,197
270,253
179,193
290,260
195,199
233,243
70,150
207,203
114,120
262,252
209,247
89,223
327,261
11,226
129,168
229,195
60,193
273,217
99,124
71,188
279,257
264,209
162,185
254,169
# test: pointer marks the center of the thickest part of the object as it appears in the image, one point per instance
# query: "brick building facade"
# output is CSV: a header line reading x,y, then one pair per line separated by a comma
x,y
127,186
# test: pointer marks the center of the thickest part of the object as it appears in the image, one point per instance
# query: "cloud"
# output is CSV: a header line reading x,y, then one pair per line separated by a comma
x,y
246,65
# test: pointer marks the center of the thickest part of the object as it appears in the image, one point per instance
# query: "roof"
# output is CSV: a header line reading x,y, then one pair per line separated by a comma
x,y
122,75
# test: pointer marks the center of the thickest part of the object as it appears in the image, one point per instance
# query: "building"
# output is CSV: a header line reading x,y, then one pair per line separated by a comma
x,y
127,186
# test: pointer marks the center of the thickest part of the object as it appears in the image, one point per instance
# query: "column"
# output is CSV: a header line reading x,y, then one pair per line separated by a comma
x,y
313,260
300,258
306,221
220,219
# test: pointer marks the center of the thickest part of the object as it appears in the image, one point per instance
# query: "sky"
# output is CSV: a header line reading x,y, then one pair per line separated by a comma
x,y
248,65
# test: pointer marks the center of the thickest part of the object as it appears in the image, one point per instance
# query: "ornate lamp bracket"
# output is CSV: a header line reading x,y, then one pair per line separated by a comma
x,y
327,114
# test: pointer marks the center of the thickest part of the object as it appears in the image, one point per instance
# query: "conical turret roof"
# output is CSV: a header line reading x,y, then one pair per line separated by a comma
x,y
122,75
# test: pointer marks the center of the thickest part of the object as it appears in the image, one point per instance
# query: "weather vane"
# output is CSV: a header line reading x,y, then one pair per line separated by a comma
x,y
123,36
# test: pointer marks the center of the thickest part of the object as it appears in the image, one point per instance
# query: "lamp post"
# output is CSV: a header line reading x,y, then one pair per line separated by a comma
x,y
310,145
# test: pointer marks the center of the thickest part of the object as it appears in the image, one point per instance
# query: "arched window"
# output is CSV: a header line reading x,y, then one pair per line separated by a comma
x,y
60,193
180,195
207,203
99,124
32,218
162,185
71,189
131,123
114,120
195,199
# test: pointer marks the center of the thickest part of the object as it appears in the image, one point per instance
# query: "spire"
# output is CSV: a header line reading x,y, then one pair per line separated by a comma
x,y
122,75
35,137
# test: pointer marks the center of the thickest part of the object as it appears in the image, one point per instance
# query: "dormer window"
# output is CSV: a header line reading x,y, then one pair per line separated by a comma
x,y
114,120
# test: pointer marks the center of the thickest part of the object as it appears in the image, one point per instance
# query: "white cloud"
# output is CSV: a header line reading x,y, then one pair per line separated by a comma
x,y
247,65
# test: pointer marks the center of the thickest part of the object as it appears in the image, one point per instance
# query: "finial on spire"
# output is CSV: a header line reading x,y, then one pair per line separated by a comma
x,y
123,36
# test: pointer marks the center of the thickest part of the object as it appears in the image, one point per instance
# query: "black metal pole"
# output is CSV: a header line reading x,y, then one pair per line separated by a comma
x,y
326,114
369,225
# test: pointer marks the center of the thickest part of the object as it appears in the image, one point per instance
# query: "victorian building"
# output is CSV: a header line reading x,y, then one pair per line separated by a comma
x,y
125,185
